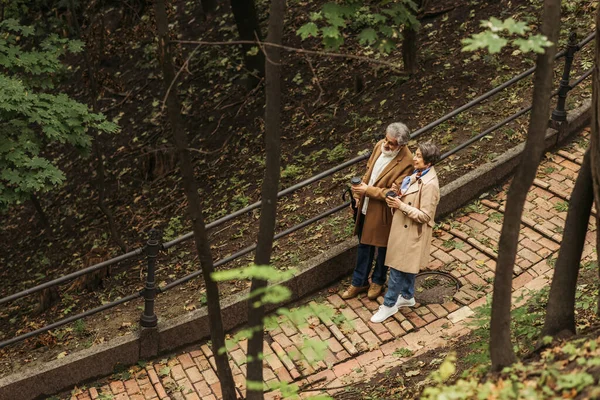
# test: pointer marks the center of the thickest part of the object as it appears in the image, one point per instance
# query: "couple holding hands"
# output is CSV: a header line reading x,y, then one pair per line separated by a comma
x,y
397,199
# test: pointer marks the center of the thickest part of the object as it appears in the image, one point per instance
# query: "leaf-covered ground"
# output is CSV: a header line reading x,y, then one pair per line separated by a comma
x,y
325,122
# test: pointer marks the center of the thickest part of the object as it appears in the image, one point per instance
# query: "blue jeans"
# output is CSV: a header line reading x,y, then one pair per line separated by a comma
x,y
400,284
364,261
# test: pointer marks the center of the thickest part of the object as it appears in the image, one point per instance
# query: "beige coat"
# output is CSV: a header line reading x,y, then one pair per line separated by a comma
x,y
410,237
378,219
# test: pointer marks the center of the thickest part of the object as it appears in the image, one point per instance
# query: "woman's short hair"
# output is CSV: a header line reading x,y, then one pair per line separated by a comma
x,y
430,152
398,131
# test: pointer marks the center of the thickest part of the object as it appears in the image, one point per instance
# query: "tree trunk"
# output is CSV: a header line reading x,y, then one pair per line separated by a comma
x,y
96,146
410,43
560,311
269,189
180,140
43,217
595,135
409,49
101,187
248,27
501,350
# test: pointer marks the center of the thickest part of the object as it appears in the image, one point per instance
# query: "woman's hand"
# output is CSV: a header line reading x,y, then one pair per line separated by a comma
x,y
393,202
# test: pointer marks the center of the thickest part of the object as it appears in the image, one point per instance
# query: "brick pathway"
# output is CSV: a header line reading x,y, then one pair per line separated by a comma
x,y
466,248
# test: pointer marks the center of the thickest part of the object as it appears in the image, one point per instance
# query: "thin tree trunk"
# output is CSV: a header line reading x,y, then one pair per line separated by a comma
x,y
42,214
410,44
501,350
96,146
409,49
101,187
595,135
560,311
246,20
269,189
180,140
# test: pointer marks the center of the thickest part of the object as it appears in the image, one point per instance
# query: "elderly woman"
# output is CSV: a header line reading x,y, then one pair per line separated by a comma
x,y
410,234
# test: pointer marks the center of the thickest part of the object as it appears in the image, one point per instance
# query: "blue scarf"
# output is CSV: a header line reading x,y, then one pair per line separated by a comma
x,y
406,181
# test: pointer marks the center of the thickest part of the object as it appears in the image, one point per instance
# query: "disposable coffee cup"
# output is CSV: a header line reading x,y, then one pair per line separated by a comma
x,y
355,181
391,193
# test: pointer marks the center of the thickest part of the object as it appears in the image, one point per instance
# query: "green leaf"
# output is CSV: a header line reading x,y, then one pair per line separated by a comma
x,y
367,36
486,39
306,30
334,13
333,43
316,16
331,32
386,45
535,43
493,24
516,27
253,51
264,272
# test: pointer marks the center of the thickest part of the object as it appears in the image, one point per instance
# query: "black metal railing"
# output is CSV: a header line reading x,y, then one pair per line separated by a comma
x,y
153,245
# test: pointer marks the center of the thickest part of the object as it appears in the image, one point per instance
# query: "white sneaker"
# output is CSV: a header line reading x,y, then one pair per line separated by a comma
x,y
402,302
384,313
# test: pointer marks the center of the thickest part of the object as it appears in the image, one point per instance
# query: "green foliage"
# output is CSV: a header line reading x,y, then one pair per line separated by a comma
x,y
499,34
453,244
403,352
562,206
173,229
291,171
338,153
79,327
31,118
265,272
378,25
106,396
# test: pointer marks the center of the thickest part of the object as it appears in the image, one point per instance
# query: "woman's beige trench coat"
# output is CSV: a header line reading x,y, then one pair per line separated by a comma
x,y
412,225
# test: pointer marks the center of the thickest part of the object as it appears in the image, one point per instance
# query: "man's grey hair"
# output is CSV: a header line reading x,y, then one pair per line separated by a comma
x,y
430,152
399,131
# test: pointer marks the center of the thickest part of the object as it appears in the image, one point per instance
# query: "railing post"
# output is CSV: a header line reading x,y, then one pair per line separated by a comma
x,y
559,114
149,319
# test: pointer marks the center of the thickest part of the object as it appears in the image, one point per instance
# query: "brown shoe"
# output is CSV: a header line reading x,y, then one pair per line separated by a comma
x,y
353,291
374,291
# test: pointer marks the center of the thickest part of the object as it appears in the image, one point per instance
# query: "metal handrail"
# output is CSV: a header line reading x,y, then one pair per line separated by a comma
x,y
492,92
509,119
71,276
248,249
70,319
253,206
284,192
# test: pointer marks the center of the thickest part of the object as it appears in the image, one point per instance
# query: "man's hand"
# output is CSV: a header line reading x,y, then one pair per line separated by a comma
x,y
393,202
395,188
359,190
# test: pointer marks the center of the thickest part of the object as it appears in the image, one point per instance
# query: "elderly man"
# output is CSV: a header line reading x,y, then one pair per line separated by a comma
x,y
389,163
